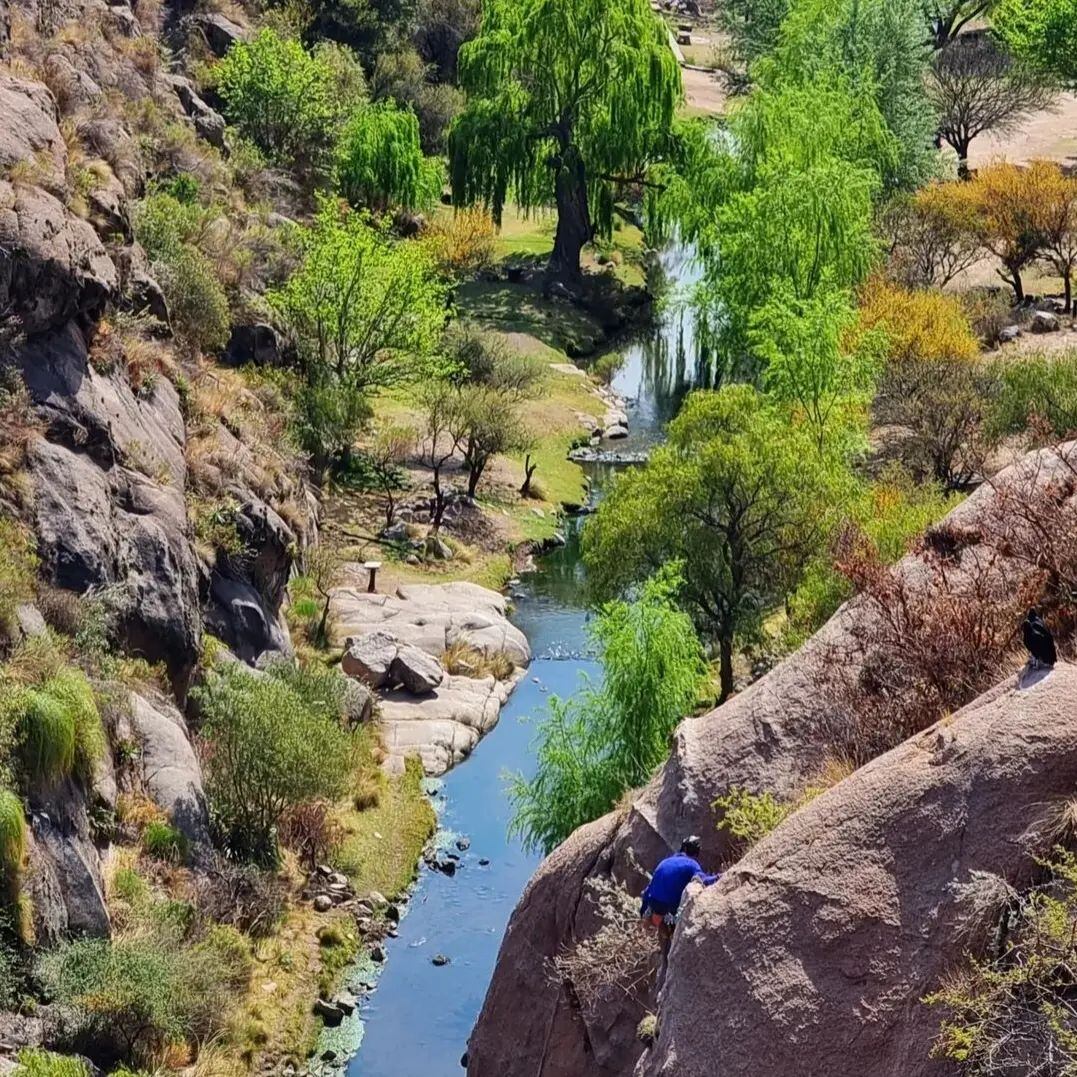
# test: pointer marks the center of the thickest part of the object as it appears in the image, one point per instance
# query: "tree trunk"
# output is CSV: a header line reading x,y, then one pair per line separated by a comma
x,y
725,650
961,145
1067,278
529,471
321,636
1017,284
474,473
574,227
439,503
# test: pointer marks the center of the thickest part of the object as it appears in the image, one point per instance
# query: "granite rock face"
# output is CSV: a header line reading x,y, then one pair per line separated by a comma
x,y
776,737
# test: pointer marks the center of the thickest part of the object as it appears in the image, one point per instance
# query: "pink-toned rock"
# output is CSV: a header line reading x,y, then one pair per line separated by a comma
x,y
774,737
814,952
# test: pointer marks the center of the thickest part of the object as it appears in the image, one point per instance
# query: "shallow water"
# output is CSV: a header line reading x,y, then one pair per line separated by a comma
x,y
419,1019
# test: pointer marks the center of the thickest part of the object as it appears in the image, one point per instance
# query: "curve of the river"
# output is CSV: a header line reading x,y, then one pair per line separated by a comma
x,y
418,1020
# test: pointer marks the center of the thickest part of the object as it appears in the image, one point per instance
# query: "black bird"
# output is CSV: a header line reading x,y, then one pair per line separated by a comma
x,y
1038,639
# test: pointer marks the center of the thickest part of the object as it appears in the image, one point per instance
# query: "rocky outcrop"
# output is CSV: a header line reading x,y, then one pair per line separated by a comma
x,y
65,880
816,949
441,727
171,773
109,502
432,617
398,640
774,737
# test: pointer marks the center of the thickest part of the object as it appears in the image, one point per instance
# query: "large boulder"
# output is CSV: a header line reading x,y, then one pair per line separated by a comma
x,y
775,737
443,727
431,616
815,951
380,658
171,773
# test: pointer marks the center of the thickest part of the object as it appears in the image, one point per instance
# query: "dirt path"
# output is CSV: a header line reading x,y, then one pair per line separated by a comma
x,y
1046,134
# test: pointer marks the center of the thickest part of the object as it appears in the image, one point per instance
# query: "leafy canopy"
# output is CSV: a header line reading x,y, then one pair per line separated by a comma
x,y
609,738
380,162
553,83
1042,33
737,496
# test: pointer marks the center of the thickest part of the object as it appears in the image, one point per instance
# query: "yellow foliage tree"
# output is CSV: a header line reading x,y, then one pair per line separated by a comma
x,y
933,385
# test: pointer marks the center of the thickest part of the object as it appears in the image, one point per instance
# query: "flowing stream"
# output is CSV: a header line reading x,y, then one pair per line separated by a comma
x,y
419,1019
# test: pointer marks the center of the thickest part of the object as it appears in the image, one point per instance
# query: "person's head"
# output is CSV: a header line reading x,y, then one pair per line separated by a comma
x,y
691,845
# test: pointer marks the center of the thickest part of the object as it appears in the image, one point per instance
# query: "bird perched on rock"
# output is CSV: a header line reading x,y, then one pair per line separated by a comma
x,y
1038,640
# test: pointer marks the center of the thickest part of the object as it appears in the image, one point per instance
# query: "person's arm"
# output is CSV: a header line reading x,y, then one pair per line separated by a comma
x,y
702,876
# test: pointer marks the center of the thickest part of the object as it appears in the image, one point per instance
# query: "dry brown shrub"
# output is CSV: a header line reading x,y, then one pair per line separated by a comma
x,y
462,660
311,832
927,638
464,243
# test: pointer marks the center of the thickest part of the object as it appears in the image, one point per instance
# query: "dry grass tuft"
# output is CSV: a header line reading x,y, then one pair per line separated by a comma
x,y
461,659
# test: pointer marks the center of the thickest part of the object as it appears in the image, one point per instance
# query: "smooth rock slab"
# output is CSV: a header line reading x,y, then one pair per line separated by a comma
x,y
443,727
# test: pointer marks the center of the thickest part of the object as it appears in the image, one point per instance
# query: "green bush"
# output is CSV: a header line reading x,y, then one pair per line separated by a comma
x,y
13,840
73,691
48,737
197,304
34,1062
380,163
281,97
269,749
18,569
164,842
1037,391
750,817
129,998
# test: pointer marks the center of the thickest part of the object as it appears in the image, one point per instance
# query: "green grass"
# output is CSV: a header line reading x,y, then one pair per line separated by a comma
x,y
12,843
385,843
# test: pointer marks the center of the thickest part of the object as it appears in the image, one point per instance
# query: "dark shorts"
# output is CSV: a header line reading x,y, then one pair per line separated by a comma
x,y
660,910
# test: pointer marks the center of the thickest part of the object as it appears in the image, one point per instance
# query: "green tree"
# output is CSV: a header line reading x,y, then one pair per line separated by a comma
x,y
946,19
1042,33
567,99
736,495
380,163
811,367
281,97
606,739
366,312
783,206
486,423
878,48
268,749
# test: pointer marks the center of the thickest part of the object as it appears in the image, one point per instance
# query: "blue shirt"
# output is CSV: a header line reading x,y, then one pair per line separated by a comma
x,y
672,876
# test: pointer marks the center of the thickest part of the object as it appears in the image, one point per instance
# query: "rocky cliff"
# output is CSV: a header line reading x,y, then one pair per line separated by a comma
x,y
98,449
775,737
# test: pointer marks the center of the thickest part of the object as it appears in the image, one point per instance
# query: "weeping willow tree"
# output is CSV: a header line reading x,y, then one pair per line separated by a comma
x,y
568,101
380,161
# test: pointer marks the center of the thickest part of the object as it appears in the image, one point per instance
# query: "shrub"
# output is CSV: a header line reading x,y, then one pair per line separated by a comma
x,y
463,660
281,97
131,998
620,959
242,896
464,243
1038,393
164,842
311,832
13,844
750,817
1009,1008
266,750
197,304
34,1062
607,366
989,311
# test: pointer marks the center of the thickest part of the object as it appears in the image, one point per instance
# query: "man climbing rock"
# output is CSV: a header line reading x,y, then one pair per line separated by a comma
x,y
663,895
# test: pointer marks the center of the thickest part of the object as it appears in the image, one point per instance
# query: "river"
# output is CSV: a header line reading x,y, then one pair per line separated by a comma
x,y
418,1020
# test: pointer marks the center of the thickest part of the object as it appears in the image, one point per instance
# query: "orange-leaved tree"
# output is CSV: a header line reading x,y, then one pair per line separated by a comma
x,y
933,385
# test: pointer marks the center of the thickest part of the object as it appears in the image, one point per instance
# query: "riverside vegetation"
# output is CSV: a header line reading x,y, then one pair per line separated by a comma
x,y
319,273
